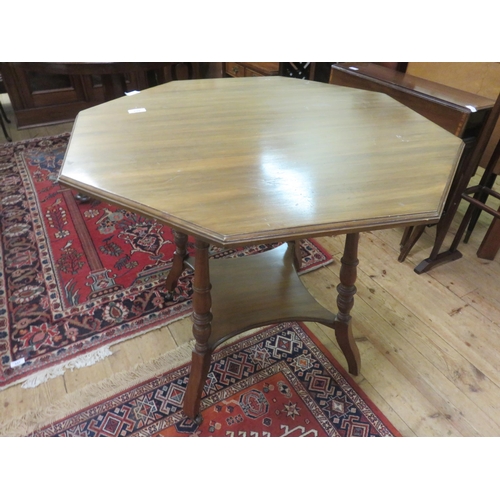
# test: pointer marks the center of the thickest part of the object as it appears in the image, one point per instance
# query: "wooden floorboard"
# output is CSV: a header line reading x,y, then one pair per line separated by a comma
x,y
430,344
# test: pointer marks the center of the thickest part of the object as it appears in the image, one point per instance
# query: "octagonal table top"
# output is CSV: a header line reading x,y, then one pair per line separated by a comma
x,y
234,161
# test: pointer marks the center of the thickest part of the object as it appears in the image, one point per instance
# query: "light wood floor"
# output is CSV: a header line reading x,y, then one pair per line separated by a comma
x,y
430,344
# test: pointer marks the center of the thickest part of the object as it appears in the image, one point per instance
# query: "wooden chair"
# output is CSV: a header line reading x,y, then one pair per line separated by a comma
x,y
478,195
302,70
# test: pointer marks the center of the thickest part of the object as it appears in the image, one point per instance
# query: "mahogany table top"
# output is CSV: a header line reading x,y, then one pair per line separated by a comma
x,y
233,161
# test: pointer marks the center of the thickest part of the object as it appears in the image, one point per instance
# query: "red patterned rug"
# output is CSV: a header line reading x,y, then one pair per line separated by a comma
x,y
75,277
279,381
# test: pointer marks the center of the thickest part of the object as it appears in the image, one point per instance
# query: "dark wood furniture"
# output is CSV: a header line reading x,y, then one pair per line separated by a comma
x,y
294,70
478,195
489,247
226,162
47,93
241,69
3,115
304,70
461,113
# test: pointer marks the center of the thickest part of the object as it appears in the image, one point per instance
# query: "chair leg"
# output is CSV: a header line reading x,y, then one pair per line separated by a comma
x,y
466,169
5,133
406,236
408,241
488,181
463,225
482,197
3,113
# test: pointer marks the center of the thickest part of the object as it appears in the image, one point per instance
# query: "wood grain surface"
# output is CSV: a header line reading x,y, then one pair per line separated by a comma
x,y
264,159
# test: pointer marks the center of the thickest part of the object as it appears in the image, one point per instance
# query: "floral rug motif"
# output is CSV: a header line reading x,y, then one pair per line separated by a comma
x,y
78,277
279,381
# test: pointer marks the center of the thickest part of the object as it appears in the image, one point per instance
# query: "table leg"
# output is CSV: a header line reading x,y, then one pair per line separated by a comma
x,y
202,329
202,321
345,301
406,236
410,237
437,258
180,256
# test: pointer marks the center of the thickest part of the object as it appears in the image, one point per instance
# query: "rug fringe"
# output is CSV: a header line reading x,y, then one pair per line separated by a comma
x,y
91,394
82,361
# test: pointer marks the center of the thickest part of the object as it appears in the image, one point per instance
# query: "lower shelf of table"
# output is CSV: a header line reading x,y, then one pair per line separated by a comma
x,y
259,290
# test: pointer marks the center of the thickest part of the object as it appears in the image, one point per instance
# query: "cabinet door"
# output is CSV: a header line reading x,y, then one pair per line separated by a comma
x,y
38,89
42,99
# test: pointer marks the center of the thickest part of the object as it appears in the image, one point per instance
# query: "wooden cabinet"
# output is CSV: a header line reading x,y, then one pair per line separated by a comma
x,y
51,93
47,99
239,69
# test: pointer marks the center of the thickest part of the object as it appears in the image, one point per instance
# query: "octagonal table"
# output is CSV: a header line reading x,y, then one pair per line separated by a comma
x,y
235,162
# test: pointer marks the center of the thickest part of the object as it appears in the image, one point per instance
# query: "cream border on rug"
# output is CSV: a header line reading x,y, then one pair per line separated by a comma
x,y
91,394
99,391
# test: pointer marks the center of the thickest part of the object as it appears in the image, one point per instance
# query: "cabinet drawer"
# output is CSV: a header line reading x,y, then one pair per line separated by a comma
x,y
235,69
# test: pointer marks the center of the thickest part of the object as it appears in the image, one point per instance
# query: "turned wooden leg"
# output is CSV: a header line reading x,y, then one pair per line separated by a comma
x,y
345,301
180,256
202,317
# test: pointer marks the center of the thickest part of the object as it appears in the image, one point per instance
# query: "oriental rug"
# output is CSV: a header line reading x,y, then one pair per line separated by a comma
x,y
76,278
279,381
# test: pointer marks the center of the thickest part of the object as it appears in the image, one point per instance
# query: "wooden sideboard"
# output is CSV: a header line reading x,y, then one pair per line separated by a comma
x,y
41,96
46,99
461,113
239,69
